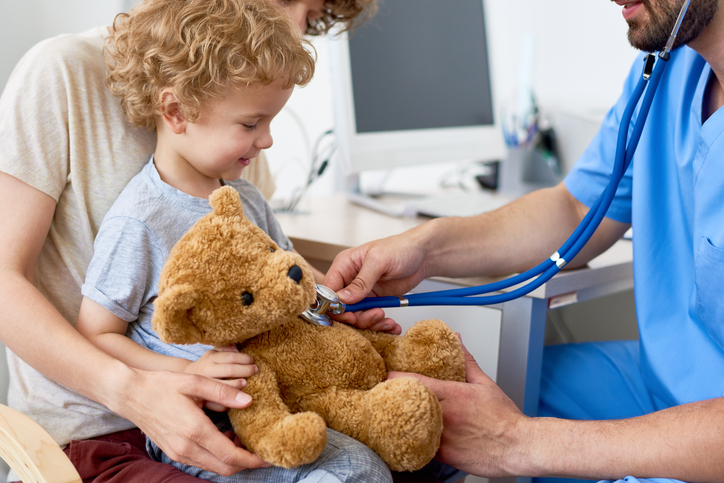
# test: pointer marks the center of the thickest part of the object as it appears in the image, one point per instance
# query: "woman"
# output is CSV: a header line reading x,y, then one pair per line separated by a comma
x,y
67,153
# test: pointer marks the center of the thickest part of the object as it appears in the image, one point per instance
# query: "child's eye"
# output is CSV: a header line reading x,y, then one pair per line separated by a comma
x,y
249,127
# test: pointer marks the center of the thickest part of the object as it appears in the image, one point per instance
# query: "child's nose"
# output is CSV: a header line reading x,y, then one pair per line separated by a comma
x,y
264,141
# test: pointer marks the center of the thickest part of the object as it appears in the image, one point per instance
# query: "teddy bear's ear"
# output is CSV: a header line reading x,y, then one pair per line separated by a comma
x,y
171,319
225,201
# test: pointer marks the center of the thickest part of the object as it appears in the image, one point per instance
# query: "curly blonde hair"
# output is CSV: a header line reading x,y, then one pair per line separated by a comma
x,y
198,48
346,14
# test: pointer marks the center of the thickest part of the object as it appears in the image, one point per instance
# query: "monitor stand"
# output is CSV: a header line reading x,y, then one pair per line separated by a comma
x,y
373,202
448,202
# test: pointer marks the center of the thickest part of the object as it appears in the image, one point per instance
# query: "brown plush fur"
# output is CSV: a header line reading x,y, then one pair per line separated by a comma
x,y
309,376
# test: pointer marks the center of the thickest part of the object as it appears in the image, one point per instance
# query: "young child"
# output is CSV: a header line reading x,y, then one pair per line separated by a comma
x,y
209,76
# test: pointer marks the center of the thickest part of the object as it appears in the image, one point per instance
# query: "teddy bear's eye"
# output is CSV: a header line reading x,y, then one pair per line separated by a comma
x,y
271,249
247,298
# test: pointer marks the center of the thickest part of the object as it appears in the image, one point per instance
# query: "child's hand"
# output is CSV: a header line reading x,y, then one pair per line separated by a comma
x,y
224,363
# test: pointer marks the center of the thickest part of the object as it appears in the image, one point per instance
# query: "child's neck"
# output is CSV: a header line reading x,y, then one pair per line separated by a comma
x,y
181,175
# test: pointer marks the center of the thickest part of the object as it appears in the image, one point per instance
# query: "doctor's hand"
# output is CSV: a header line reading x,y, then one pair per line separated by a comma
x,y
390,266
482,427
168,408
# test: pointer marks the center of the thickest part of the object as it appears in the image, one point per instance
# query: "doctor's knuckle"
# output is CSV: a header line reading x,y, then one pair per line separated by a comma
x,y
361,285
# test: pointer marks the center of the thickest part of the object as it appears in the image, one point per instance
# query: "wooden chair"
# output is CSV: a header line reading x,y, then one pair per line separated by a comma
x,y
29,450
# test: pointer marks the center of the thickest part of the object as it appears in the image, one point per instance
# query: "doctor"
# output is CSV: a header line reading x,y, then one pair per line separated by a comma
x,y
652,408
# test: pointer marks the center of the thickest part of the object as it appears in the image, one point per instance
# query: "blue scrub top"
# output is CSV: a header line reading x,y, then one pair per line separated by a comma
x,y
673,195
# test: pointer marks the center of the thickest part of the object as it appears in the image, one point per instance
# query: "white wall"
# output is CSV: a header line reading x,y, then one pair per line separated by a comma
x,y
582,54
581,59
23,23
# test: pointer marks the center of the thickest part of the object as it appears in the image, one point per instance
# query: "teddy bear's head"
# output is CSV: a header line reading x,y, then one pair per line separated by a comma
x,y
226,281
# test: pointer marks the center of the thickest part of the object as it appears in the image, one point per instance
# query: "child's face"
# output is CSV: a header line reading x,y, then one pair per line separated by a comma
x,y
232,129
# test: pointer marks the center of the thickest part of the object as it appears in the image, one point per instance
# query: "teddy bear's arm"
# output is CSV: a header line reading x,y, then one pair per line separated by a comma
x,y
269,429
430,347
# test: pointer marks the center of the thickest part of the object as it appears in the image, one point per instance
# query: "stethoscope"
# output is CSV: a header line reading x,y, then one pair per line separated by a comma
x,y
327,300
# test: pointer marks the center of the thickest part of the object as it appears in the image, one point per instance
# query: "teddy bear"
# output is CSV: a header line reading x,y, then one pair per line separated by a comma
x,y
226,282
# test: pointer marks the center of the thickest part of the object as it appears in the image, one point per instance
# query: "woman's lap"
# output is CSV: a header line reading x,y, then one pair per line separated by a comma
x,y
120,457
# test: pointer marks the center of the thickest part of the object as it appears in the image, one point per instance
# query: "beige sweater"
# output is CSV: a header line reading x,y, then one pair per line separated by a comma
x,y
64,133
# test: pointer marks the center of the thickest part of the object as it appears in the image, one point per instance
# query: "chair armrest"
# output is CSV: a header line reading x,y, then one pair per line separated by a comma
x,y
31,452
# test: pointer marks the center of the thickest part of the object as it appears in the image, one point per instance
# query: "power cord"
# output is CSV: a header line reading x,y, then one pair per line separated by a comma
x,y
320,161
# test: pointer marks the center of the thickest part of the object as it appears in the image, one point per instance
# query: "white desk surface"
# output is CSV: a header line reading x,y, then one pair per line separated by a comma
x,y
327,225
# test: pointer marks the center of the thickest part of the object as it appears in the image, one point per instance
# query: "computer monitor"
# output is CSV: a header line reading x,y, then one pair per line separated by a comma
x,y
413,86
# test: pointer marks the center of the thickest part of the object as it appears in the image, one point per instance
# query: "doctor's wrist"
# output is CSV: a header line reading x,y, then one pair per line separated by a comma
x,y
436,240
552,447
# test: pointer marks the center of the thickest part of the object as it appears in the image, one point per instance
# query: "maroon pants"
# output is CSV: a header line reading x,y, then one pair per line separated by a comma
x,y
121,458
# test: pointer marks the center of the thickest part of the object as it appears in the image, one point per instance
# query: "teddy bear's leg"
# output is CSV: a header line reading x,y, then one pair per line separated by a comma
x,y
400,419
429,347
270,430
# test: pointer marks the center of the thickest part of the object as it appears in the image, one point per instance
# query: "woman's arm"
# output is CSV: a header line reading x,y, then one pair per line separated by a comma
x,y
165,405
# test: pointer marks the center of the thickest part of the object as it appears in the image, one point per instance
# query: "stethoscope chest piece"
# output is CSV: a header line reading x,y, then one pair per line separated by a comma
x,y
327,301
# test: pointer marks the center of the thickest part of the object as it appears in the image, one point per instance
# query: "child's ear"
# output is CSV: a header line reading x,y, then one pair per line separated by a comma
x,y
172,116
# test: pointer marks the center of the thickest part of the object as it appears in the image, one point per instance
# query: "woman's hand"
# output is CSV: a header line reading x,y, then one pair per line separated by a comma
x,y
167,407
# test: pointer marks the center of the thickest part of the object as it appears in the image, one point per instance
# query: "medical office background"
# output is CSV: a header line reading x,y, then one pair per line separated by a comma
x,y
579,61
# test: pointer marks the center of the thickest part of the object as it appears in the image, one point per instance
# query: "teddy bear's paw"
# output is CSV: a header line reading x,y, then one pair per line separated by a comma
x,y
296,440
404,423
430,347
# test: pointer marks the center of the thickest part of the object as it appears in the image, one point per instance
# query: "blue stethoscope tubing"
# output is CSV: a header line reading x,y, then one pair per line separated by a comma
x,y
575,242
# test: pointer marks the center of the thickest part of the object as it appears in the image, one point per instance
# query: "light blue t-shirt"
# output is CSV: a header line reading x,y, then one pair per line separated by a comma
x,y
136,237
673,195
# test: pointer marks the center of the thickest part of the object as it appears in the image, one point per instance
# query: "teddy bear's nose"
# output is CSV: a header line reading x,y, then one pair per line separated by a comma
x,y
295,273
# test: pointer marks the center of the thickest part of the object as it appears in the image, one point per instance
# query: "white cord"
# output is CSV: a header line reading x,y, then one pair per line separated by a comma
x,y
316,169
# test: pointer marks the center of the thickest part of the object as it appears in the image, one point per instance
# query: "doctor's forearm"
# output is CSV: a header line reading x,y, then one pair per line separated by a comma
x,y
513,238
510,239
684,442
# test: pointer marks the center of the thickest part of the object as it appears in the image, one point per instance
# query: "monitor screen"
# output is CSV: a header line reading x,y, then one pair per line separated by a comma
x,y
412,85
407,76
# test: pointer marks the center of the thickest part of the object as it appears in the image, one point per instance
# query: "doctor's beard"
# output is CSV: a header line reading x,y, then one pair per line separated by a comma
x,y
652,36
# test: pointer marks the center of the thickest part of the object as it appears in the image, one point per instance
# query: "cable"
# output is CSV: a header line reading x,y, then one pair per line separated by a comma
x,y
319,162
